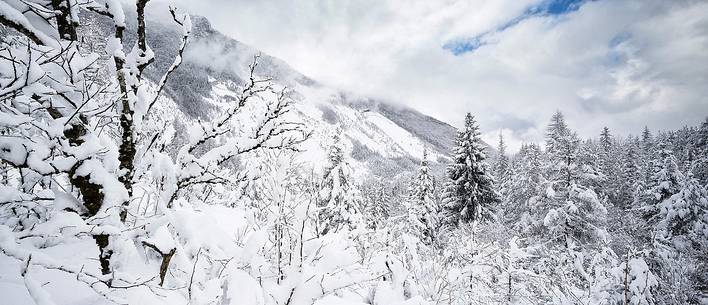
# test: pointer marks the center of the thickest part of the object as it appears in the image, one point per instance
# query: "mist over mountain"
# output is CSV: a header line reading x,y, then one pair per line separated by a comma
x,y
387,138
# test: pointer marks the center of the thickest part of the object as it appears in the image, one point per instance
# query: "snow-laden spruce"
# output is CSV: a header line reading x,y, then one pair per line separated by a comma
x,y
469,193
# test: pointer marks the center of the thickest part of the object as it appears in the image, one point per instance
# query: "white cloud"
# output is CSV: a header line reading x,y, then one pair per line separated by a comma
x,y
623,64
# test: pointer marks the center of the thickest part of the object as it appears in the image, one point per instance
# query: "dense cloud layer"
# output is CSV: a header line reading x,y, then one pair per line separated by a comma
x,y
615,63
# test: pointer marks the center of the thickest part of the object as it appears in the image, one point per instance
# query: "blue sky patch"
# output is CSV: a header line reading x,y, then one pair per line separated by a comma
x,y
544,8
559,7
461,46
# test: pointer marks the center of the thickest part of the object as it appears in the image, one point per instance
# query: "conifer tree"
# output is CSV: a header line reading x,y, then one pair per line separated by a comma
x,y
377,203
605,139
647,140
567,159
572,217
339,198
608,165
423,210
501,167
575,210
525,183
686,212
556,130
662,177
700,166
630,182
666,175
469,193
647,159
606,153
564,165
682,243
590,162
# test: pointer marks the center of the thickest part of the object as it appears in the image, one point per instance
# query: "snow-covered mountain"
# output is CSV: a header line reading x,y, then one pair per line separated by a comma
x,y
383,138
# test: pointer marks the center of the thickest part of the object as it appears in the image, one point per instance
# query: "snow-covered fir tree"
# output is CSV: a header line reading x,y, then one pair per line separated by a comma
x,y
340,200
575,209
423,207
606,140
608,164
647,140
685,214
526,183
647,156
568,218
700,165
666,175
680,243
377,203
555,132
630,185
502,173
469,192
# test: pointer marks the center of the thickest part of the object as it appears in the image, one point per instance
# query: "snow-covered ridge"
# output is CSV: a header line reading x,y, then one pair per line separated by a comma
x,y
385,140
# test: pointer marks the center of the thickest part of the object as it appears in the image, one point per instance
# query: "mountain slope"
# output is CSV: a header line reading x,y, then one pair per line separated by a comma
x,y
384,139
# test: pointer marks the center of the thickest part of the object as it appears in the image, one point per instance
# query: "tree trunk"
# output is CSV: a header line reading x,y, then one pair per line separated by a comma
x,y
626,280
91,193
126,151
65,26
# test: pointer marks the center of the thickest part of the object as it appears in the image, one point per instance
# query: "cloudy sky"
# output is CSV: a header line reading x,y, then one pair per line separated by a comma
x,y
512,63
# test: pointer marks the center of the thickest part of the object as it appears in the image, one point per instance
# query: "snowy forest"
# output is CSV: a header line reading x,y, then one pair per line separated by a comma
x,y
111,194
